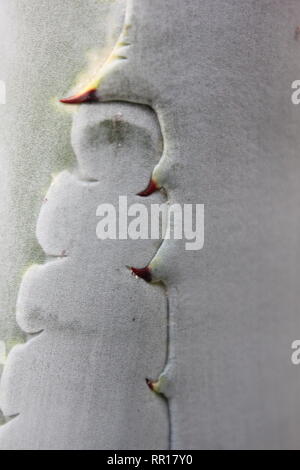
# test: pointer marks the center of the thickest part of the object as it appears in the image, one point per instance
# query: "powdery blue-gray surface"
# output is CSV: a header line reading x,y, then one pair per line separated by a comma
x,y
94,313
44,45
218,75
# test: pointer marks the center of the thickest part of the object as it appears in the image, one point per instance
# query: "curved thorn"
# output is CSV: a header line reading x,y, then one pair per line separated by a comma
x,y
86,97
150,189
154,386
143,273
150,384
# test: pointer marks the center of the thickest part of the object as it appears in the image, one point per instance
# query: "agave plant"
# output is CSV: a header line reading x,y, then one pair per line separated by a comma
x,y
180,102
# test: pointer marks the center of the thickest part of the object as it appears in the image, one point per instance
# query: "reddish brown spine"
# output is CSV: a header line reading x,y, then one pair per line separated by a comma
x,y
143,273
86,97
150,189
150,384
